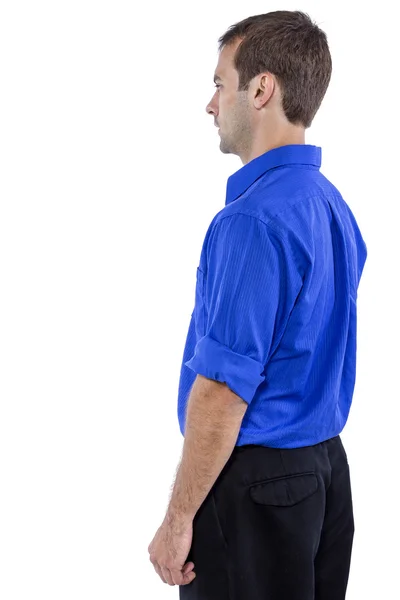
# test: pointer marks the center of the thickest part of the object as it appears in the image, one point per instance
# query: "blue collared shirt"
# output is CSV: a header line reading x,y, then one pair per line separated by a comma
x,y
275,311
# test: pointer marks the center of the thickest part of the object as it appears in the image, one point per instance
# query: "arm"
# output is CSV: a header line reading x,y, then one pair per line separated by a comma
x,y
246,299
214,416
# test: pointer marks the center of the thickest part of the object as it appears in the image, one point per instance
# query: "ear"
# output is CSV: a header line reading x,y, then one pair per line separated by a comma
x,y
264,88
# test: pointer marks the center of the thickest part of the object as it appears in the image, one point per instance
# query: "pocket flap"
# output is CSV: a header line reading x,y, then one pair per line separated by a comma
x,y
285,491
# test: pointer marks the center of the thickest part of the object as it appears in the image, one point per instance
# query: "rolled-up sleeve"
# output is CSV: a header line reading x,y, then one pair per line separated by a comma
x,y
242,290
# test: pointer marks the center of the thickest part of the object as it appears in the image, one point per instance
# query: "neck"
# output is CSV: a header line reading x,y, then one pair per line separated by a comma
x,y
289,135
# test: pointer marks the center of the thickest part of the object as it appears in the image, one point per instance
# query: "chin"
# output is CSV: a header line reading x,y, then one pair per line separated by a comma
x,y
224,149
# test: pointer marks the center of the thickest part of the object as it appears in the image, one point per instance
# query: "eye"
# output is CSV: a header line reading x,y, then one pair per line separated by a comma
x,y
217,85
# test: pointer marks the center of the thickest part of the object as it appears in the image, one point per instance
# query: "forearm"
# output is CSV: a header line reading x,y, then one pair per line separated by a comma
x,y
214,416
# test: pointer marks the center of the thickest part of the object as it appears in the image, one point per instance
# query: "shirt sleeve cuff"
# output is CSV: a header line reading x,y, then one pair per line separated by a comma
x,y
213,360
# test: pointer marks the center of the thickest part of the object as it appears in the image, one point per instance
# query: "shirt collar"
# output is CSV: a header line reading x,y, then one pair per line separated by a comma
x,y
299,154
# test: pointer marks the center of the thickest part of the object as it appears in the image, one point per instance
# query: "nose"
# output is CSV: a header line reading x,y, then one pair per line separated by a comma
x,y
211,108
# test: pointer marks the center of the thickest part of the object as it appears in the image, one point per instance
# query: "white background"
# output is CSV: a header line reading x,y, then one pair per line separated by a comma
x,y
110,175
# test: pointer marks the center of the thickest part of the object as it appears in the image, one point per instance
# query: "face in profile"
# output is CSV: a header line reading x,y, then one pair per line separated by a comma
x,y
229,107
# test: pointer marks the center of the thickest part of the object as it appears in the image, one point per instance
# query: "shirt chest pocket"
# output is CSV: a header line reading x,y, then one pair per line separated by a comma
x,y
199,309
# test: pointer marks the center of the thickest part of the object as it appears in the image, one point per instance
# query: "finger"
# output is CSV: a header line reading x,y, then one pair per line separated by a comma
x,y
159,572
167,574
188,567
188,578
179,577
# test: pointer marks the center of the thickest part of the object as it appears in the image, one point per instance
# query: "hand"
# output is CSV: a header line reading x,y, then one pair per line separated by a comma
x,y
169,550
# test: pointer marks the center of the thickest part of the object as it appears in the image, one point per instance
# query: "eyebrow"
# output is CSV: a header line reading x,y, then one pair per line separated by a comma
x,y
217,77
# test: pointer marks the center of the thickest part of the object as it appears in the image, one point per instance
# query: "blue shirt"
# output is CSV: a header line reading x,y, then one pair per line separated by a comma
x,y
275,311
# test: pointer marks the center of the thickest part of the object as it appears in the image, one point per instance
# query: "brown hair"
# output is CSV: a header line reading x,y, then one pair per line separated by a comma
x,y
291,47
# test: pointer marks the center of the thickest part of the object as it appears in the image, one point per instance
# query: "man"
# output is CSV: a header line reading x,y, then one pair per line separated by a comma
x,y
261,506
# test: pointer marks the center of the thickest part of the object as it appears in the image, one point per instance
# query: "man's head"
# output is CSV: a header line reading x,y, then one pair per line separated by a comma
x,y
272,74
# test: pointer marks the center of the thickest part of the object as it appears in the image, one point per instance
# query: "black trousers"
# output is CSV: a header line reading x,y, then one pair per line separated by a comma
x,y
277,525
